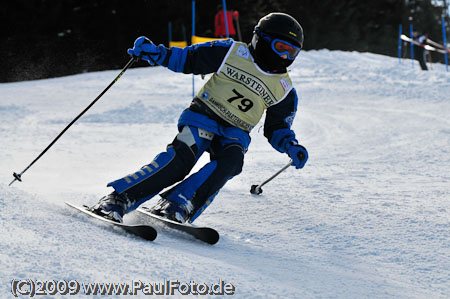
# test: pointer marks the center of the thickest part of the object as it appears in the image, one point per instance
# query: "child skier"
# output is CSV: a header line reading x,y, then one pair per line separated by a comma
x,y
247,80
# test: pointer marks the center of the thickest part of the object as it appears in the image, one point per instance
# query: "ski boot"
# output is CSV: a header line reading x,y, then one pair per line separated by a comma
x,y
173,211
113,206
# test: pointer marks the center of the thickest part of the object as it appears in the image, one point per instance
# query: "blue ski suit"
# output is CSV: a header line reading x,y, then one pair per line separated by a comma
x,y
202,130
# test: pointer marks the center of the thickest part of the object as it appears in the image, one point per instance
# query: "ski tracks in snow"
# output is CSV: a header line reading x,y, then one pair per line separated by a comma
x,y
368,216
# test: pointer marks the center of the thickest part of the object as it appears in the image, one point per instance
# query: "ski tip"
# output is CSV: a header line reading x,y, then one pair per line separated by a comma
x,y
144,231
213,238
208,235
205,234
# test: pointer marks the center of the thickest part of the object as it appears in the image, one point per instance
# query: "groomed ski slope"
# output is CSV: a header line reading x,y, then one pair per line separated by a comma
x,y
368,216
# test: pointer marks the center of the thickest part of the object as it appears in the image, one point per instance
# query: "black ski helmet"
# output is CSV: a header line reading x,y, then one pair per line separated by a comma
x,y
275,25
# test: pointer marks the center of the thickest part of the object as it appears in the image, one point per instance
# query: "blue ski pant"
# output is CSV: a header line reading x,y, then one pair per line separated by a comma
x,y
197,134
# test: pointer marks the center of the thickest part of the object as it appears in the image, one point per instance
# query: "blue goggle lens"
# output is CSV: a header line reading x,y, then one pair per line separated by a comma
x,y
281,47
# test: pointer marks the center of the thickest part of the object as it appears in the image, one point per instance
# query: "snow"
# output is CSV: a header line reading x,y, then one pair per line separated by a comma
x,y
368,216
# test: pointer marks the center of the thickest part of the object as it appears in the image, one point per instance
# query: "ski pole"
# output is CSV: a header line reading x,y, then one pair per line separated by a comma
x,y
18,176
256,189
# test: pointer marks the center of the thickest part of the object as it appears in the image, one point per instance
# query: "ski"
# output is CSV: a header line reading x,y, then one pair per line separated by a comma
x,y
427,47
205,234
433,43
144,231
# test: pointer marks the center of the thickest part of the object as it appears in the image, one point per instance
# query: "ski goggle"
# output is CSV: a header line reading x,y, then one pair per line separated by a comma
x,y
282,47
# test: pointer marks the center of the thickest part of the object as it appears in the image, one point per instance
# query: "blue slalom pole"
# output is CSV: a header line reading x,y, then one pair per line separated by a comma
x,y
445,43
193,34
225,17
193,17
399,44
412,45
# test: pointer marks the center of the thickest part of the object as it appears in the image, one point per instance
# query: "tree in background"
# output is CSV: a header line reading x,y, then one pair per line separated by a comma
x,y
49,38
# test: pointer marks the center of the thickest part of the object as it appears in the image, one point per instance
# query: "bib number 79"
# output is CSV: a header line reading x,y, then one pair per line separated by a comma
x,y
245,104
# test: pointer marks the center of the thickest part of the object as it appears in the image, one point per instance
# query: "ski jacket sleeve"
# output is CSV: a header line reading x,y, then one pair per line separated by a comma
x,y
204,58
279,118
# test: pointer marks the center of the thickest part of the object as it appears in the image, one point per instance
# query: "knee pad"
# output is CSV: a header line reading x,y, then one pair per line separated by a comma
x,y
197,139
